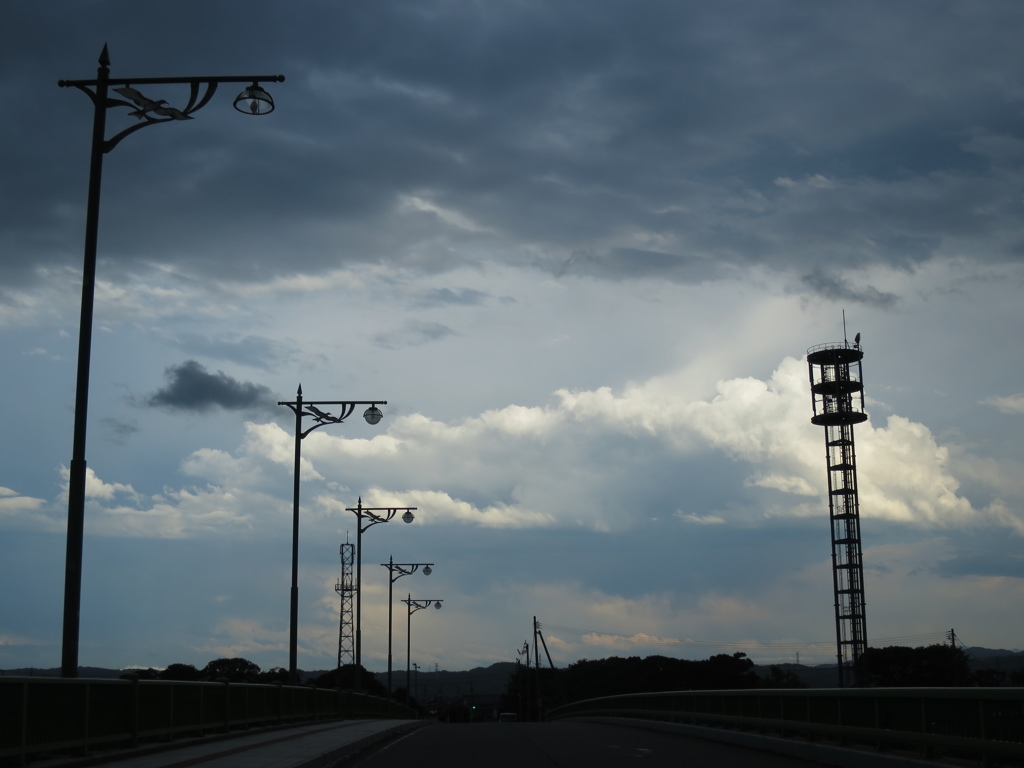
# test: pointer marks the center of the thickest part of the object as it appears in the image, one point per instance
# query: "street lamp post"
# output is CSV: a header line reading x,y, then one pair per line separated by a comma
x,y
253,100
414,605
312,408
371,516
397,571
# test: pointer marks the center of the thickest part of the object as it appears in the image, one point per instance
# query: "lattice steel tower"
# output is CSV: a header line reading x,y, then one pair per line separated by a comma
x,y
346,588
837,393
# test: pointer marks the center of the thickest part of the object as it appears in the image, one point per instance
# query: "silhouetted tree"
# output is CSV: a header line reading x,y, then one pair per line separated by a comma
x,y
997,678
235,670
181,672
727,672
400,695
273,676
345,678
932,666
140,674
612,676
990,678
782,678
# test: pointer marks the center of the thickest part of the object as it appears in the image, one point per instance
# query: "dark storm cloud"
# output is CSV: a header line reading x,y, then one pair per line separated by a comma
x,y
834,287
190,387
549,128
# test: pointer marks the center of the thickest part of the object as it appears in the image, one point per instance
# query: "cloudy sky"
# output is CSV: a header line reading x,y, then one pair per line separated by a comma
x,y
581,248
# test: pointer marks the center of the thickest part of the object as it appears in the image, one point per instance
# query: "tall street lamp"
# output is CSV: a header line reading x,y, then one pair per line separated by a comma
x,y
367,517
414,605
312,408
254,101
397,571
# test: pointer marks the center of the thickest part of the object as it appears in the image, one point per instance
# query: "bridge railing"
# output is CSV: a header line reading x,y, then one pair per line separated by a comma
x,y
41,714
985,722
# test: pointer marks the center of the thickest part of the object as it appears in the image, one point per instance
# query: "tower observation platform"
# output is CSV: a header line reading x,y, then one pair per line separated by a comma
x,y
837,394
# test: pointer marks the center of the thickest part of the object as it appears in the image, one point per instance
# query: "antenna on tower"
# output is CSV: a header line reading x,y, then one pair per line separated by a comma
x,y
845,341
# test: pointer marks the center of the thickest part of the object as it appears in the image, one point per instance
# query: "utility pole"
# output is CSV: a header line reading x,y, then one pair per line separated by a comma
x,y
524,691
536,664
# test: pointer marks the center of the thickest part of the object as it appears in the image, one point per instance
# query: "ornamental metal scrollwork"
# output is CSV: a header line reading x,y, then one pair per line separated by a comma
x,y
322,417
144,108
302,408
146,105
152,111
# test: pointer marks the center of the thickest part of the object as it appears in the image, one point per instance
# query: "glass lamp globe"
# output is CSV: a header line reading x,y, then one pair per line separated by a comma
x,y
254,101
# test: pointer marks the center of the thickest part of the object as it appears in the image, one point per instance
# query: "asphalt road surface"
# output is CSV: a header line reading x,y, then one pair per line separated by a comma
x,y
561,745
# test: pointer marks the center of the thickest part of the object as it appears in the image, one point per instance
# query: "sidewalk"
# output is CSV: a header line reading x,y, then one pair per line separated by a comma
x,y
309,746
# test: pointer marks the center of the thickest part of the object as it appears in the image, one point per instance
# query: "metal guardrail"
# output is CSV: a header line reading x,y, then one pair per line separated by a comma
x,y
833,345
972,722
44,715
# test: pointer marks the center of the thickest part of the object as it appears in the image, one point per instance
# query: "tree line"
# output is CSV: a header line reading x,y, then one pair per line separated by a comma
x,y
891,667
239,670
933,666
234,670
593,678
894,666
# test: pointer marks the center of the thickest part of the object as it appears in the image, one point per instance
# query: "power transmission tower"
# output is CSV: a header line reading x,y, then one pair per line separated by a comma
x,y
346,588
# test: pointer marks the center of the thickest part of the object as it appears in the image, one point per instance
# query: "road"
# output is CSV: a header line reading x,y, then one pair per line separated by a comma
x,y
561,745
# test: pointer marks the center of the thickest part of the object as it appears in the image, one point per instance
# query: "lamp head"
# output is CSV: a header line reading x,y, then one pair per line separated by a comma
x,y
408,517
373,415
254,101
438,605
427,570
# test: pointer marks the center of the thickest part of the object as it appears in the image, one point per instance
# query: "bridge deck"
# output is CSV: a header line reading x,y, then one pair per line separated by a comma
x,y
294,747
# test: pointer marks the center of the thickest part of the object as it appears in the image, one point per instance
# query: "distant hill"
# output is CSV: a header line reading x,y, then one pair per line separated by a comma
x,y
824,676
982,653
481,681
987,658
